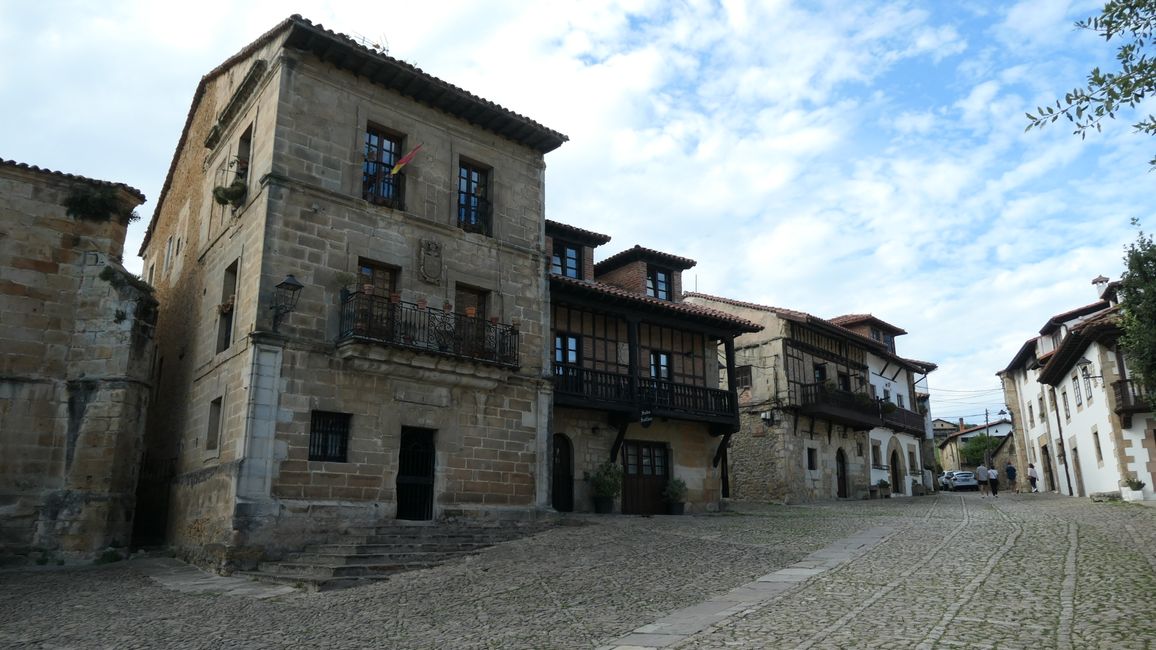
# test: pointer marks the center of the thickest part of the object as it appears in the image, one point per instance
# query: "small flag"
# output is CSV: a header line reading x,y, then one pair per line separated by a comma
x,y
404,160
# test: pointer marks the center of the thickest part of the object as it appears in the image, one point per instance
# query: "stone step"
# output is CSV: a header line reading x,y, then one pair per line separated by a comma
x,y
310,583
390,557
348,548
308,568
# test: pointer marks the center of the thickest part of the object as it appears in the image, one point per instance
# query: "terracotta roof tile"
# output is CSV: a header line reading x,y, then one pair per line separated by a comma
x,y
74,177
589,235
682,308
642,253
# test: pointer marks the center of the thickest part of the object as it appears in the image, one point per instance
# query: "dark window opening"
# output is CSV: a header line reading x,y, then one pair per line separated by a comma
x,y
567,350
820,373
329,436
376,279
743,377
812,458
379,183
227,308
473,199
213,433
660,365
470,301
844,381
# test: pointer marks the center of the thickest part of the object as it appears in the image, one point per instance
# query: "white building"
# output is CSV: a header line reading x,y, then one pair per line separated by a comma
x,y
1083,421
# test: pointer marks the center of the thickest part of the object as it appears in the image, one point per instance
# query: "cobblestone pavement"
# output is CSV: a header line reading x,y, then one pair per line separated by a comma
x,y
1021,571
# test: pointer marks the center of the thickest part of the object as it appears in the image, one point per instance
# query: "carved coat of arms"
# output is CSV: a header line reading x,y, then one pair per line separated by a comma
x,y
429,263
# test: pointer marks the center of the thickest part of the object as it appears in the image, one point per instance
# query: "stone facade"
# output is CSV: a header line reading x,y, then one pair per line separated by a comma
x,y
74,373
825,409
420,326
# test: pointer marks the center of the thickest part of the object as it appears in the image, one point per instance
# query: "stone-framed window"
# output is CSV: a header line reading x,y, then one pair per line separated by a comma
x,y
329,436
376,278
227,307
379,184
743,377
1076,390
475,212
213,430
658,283
1067,409
812,459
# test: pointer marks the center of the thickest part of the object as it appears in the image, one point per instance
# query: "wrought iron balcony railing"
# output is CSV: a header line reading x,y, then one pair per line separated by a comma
x,y
377,318
663,397
380,187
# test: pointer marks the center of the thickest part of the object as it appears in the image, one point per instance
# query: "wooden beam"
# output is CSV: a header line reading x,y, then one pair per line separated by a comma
x,y
617,446
721,451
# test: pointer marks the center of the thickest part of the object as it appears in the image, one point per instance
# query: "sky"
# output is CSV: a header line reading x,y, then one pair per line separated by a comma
x,y
829,157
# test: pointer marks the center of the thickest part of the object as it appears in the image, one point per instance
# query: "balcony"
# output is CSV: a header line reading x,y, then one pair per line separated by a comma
x,y
586,388
1130,398
856,410
907,421
405,325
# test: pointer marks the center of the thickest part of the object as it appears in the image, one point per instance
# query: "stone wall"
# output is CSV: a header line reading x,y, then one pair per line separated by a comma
x,y
74,389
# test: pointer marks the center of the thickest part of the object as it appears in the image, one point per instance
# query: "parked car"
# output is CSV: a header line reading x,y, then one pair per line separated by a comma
x,y
945,480
963,481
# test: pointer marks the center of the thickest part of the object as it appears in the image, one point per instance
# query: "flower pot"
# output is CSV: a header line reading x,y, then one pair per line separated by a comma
x,y
675,508
603,505
1131,495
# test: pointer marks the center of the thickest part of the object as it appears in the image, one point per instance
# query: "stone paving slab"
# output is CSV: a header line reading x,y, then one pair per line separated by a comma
x,y
949,571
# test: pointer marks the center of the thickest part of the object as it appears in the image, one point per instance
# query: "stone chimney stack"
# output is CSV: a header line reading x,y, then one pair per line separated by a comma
x,y
1101,283
961,427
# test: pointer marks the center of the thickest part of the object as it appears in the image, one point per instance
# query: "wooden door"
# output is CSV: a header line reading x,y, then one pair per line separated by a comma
x,y
562,492
841,474
647,470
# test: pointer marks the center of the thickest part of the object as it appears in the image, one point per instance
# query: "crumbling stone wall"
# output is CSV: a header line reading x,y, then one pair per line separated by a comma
x,y
74,376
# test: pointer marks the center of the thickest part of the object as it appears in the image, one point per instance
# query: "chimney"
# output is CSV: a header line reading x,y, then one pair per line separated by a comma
x,y
961,427
1101,283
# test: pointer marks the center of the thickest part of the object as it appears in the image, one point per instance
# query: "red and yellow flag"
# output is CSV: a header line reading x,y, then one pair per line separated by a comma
x,y
404,160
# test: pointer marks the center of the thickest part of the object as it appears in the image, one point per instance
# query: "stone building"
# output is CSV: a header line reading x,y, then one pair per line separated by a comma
x,y
826,407
1082,418
636,376
951,446
75,350
350,255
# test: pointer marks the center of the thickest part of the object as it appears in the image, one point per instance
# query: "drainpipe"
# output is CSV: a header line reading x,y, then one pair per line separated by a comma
x,y
1060,426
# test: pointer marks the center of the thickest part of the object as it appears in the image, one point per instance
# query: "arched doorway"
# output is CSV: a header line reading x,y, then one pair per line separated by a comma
x,y
841,474
562,471
897,486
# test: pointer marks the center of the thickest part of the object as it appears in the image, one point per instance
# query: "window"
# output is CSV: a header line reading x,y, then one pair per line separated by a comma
x,y
213,432
1031,416
742,377
876,455
876,334
899,400
812,458
168,255
889,341
152,269
820,373
1087,384
473,198
1043,410
329,436
910,461
227,307
660,365
567,350
887,394
376,279
844,381
1067,410
566,259
859,449
1096,443
1076,390
378,182
658,283
470,301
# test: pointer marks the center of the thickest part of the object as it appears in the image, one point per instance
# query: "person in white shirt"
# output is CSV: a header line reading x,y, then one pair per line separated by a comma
x,y
981,477
993,482
1033,477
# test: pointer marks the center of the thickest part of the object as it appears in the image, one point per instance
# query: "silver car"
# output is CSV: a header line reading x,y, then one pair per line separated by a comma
x,y
963,481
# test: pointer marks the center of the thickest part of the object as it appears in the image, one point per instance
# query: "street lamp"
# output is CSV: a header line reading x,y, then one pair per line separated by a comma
x,y
285,296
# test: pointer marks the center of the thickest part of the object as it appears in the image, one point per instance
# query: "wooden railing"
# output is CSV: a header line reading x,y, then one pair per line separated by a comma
x,y
661,396
377,318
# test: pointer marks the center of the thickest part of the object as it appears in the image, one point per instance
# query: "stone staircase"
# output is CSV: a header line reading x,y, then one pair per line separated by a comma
x,y
362,555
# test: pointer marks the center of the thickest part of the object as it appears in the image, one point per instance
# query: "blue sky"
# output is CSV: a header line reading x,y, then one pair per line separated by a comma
x,y
830,157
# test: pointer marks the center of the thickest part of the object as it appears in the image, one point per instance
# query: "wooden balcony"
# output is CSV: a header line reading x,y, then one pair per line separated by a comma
x,y
1130,398
377,319
906,421
594,389
858,411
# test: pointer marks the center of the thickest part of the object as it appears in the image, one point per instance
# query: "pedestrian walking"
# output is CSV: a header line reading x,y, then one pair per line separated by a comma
x,y
1033,477
993,481
981,478
1009,470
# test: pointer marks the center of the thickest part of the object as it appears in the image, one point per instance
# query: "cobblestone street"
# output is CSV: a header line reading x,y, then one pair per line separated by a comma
x,y
952,571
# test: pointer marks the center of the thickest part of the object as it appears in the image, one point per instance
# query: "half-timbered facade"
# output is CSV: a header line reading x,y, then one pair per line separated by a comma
x,y
636,375
826,411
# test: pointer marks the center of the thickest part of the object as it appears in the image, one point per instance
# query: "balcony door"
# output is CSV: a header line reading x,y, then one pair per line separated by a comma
x,y
647,466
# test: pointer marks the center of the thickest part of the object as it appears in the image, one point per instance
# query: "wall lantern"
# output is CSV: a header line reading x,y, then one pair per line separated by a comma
x,y
285,296
1085,367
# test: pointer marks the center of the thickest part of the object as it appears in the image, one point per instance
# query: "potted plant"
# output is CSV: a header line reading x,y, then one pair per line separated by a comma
x,y
675,495
1132,490
884,489
605,484
231,194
